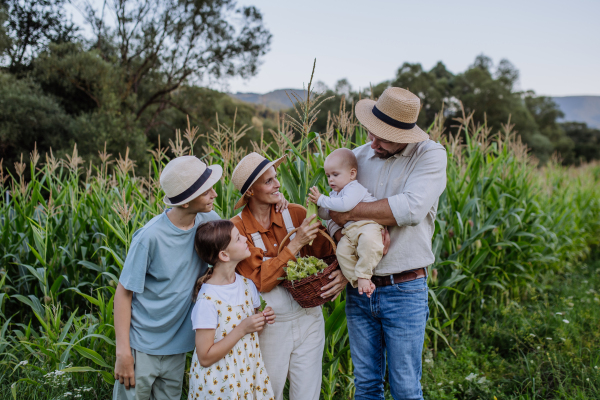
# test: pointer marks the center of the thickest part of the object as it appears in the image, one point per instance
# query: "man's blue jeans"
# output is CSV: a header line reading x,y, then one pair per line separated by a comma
x,y
392,321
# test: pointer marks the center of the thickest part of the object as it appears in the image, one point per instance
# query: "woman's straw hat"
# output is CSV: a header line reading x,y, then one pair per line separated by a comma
x,y
248,171
185,178
393,116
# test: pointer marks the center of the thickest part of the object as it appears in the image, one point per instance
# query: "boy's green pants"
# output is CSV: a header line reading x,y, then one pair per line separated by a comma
x,y
156,378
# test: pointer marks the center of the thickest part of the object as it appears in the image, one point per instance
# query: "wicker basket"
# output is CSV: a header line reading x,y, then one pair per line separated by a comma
x,y
307,291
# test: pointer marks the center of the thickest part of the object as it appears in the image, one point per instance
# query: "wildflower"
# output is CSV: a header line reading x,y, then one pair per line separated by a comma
x,y
559,313
428,360
563,339
571,304
566,321
548,338
471,377
587,379
68,394
595,367
451,382
538,347
481,380
532,335
440,384
23,362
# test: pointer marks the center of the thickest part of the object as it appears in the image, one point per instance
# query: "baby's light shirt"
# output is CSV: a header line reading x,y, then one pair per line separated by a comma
x,y
343,201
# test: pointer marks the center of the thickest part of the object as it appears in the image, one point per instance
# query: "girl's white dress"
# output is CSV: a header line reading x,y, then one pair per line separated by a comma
x,y
241,373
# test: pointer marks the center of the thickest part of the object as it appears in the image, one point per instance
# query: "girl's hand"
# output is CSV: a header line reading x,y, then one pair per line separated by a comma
x,y
253,323
269,315
314,194
282,205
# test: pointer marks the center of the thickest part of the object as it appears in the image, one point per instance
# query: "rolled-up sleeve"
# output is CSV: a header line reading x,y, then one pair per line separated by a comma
x,y
422,189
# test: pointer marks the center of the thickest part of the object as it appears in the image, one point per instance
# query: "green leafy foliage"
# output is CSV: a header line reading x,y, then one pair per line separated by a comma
x,y
303,267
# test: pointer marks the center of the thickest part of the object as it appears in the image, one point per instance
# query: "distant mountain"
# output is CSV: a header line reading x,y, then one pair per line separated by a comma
x,y
275,100
580,109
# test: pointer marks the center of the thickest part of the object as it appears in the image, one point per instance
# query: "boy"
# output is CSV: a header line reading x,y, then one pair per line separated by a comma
x,y
361,248
153,301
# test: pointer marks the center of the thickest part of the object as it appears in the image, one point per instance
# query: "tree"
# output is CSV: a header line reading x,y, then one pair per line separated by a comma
x,y
161,44
30,26
586,142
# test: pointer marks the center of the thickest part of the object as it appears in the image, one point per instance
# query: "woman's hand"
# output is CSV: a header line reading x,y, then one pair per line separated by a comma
x,y
253,323
282,204
335,287
269,315
305,234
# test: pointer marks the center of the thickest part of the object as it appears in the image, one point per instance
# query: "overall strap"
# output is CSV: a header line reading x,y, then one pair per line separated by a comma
x,y
289,224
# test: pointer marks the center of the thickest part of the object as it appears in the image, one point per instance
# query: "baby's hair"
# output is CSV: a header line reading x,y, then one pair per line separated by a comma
x,y
346,156
211,239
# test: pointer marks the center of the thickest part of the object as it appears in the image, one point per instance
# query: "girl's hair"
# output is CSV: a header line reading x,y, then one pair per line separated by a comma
x,y
211,238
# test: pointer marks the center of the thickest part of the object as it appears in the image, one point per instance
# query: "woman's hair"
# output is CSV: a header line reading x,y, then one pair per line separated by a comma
x,y
211,238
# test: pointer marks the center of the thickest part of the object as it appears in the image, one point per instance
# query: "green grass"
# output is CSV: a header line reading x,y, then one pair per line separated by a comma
x,y
525,349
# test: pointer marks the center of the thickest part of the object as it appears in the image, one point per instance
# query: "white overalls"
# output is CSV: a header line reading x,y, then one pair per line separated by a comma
x,y
292,347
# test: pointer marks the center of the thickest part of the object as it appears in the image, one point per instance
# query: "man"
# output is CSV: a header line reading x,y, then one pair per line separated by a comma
x,y
153,301
407,172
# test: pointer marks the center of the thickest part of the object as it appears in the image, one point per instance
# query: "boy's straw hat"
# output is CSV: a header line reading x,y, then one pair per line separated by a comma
x,y
248,171
185,178
393,116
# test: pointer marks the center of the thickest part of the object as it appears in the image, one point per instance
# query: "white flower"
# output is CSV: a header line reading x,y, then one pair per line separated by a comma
x,y
538,347
571,304
559,313
563,339
23,362
428,360
481,380
587,379
595,367
566,321
548,338
440,384
471,377
532,335
68,394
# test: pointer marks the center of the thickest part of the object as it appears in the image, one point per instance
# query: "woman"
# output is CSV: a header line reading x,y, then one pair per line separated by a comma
x,y
293,346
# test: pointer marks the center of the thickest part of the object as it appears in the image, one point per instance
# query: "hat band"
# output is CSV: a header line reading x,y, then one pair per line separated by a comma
x,y
391,121
192,189
253,175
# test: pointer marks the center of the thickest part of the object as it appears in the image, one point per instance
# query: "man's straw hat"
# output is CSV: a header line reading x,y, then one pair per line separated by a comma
x,y
185,178
393,116
248,171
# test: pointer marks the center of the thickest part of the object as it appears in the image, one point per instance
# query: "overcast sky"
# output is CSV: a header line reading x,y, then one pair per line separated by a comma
x,y
554,44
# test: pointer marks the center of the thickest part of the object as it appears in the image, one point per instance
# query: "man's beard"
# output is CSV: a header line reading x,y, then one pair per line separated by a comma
x,y
385,155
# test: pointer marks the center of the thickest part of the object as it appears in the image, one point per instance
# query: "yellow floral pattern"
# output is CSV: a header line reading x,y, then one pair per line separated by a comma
x,y
248,379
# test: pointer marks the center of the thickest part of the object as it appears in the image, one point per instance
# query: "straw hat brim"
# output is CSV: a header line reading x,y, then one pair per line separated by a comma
x,y
364,113
275,164
217,172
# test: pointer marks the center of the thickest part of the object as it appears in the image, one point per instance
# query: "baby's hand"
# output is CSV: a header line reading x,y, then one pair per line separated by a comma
x,y
314,195
365,286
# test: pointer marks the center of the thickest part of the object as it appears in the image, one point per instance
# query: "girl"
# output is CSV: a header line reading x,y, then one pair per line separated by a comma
x,y
227,363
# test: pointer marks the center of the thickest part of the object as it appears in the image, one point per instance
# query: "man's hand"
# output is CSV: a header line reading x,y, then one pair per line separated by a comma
x,y
124,371
314,194
385,237
282,204
340,218
335,287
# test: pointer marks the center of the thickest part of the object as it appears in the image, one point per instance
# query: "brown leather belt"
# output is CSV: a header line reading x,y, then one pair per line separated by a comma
x,y
405,276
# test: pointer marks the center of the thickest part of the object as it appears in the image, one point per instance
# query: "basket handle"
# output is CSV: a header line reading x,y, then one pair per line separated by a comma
x,y
292,232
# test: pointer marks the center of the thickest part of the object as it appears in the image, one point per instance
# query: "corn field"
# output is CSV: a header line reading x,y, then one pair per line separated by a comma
x,y
66,228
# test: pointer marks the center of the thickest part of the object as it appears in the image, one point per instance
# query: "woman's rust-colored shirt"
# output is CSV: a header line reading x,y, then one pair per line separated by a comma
x,y
264,274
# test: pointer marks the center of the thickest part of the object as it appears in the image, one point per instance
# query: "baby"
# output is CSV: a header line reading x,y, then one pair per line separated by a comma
x,y
361,247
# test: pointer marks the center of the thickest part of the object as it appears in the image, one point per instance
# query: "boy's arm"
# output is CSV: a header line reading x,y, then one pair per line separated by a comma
x,y
124,371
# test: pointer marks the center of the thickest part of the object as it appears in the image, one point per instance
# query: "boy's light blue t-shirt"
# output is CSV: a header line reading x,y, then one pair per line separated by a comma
x,y
161,269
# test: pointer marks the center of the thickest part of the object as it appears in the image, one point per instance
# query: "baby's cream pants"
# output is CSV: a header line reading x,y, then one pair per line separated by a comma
x,y
360,250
